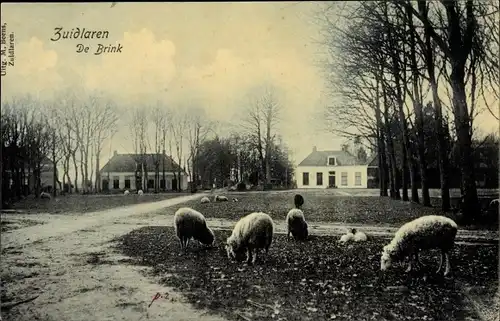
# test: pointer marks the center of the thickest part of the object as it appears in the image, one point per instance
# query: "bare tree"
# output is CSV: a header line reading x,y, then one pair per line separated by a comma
x,y
262,116
177,127
159,116
139,130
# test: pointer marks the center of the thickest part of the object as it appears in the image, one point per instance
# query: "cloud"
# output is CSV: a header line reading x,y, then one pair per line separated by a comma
x,y
34,71
144,68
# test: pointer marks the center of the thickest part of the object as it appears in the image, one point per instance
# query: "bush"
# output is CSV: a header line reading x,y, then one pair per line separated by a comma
x,y
241,186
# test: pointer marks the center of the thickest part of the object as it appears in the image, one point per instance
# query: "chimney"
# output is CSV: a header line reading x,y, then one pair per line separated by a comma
x,y
315,149
115,153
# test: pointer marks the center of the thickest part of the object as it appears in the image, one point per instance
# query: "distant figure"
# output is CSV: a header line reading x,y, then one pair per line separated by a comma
x,y
298,200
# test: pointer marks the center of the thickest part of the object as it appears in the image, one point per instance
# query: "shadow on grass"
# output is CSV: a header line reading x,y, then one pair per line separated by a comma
x,y
319,279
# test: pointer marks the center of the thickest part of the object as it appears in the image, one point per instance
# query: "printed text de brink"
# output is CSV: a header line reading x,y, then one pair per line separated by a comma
x,y
83,33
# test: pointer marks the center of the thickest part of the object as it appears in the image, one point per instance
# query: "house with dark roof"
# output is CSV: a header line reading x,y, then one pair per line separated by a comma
x,y
126,172
328,168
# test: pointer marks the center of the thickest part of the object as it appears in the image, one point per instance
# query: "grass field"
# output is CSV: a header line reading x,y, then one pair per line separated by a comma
x,y
86,203
319,206
315,280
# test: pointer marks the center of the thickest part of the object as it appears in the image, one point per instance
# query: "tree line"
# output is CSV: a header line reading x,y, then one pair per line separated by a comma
x,y
409,78
71,130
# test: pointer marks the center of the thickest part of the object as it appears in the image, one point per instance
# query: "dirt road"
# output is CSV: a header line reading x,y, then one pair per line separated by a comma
x,y
54,261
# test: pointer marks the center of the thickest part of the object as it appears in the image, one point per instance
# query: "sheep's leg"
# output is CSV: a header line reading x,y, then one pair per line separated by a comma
x,y
288,235
410,257
254,257
249,256
187,242
448,267
441,259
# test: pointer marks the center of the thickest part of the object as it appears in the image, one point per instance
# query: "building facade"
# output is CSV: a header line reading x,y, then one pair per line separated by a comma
x,y
133,171
327,169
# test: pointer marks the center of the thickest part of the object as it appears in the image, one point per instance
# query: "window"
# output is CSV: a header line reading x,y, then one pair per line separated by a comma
x,y
332,161
151,183
127,183
357,178
343,179
116,182
319,179
305,179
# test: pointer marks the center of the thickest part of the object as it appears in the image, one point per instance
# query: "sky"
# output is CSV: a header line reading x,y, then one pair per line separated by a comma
x,y
207,53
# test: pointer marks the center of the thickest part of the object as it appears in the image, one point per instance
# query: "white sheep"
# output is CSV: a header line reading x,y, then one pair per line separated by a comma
x,y
494,203
126,192
297,224
235,200
219,198
44,195
205,200
250,234
190,224
140,192
349,236
426,232
359,236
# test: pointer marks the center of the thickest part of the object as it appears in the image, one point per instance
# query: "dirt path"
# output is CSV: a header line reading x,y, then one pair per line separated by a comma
x,y
56,262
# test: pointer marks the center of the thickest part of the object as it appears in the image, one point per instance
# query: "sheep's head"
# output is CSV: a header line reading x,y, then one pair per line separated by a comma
x,y
230,247
386,259
207,237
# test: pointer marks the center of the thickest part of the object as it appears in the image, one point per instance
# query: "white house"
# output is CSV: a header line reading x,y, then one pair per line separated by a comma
x,y
323,169
120,171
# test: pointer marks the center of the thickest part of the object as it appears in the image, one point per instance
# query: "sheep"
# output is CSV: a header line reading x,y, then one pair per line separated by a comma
x,y
349,236
235,200
126,192
251,233
426,232
140,192
44,195
494,203
358,235
219,198
297,224
298,201
205,200
189,224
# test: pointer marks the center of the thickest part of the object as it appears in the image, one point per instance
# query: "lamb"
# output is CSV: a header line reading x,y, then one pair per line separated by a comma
x,y
189,224
297,224
349,236
358,235
251,234
426,232
205,200
126,192
140,192
44,195
219,198
298,201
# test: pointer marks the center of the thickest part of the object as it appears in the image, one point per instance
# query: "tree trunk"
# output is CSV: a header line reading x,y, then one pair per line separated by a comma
x,y
97,172
76,172
54,164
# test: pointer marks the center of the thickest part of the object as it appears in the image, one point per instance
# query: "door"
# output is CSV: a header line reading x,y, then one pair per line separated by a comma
x,y
331,180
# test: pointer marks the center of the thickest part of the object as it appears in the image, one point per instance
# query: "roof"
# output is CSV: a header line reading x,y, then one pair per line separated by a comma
x,y
320,158
127,163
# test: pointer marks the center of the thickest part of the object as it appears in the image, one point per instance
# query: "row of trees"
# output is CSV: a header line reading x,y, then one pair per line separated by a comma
x,y
71,130
65,132
398,67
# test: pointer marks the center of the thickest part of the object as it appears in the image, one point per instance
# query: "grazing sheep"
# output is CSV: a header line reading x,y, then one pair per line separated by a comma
x,y
426,232
494,203
44,195
235,200
252,233
140,192
126,192
298,201
297,224
188,224
358,235
219,198
205,200
349,236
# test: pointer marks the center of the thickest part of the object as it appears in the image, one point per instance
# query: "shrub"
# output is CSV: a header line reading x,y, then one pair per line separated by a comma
x,y
241,186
